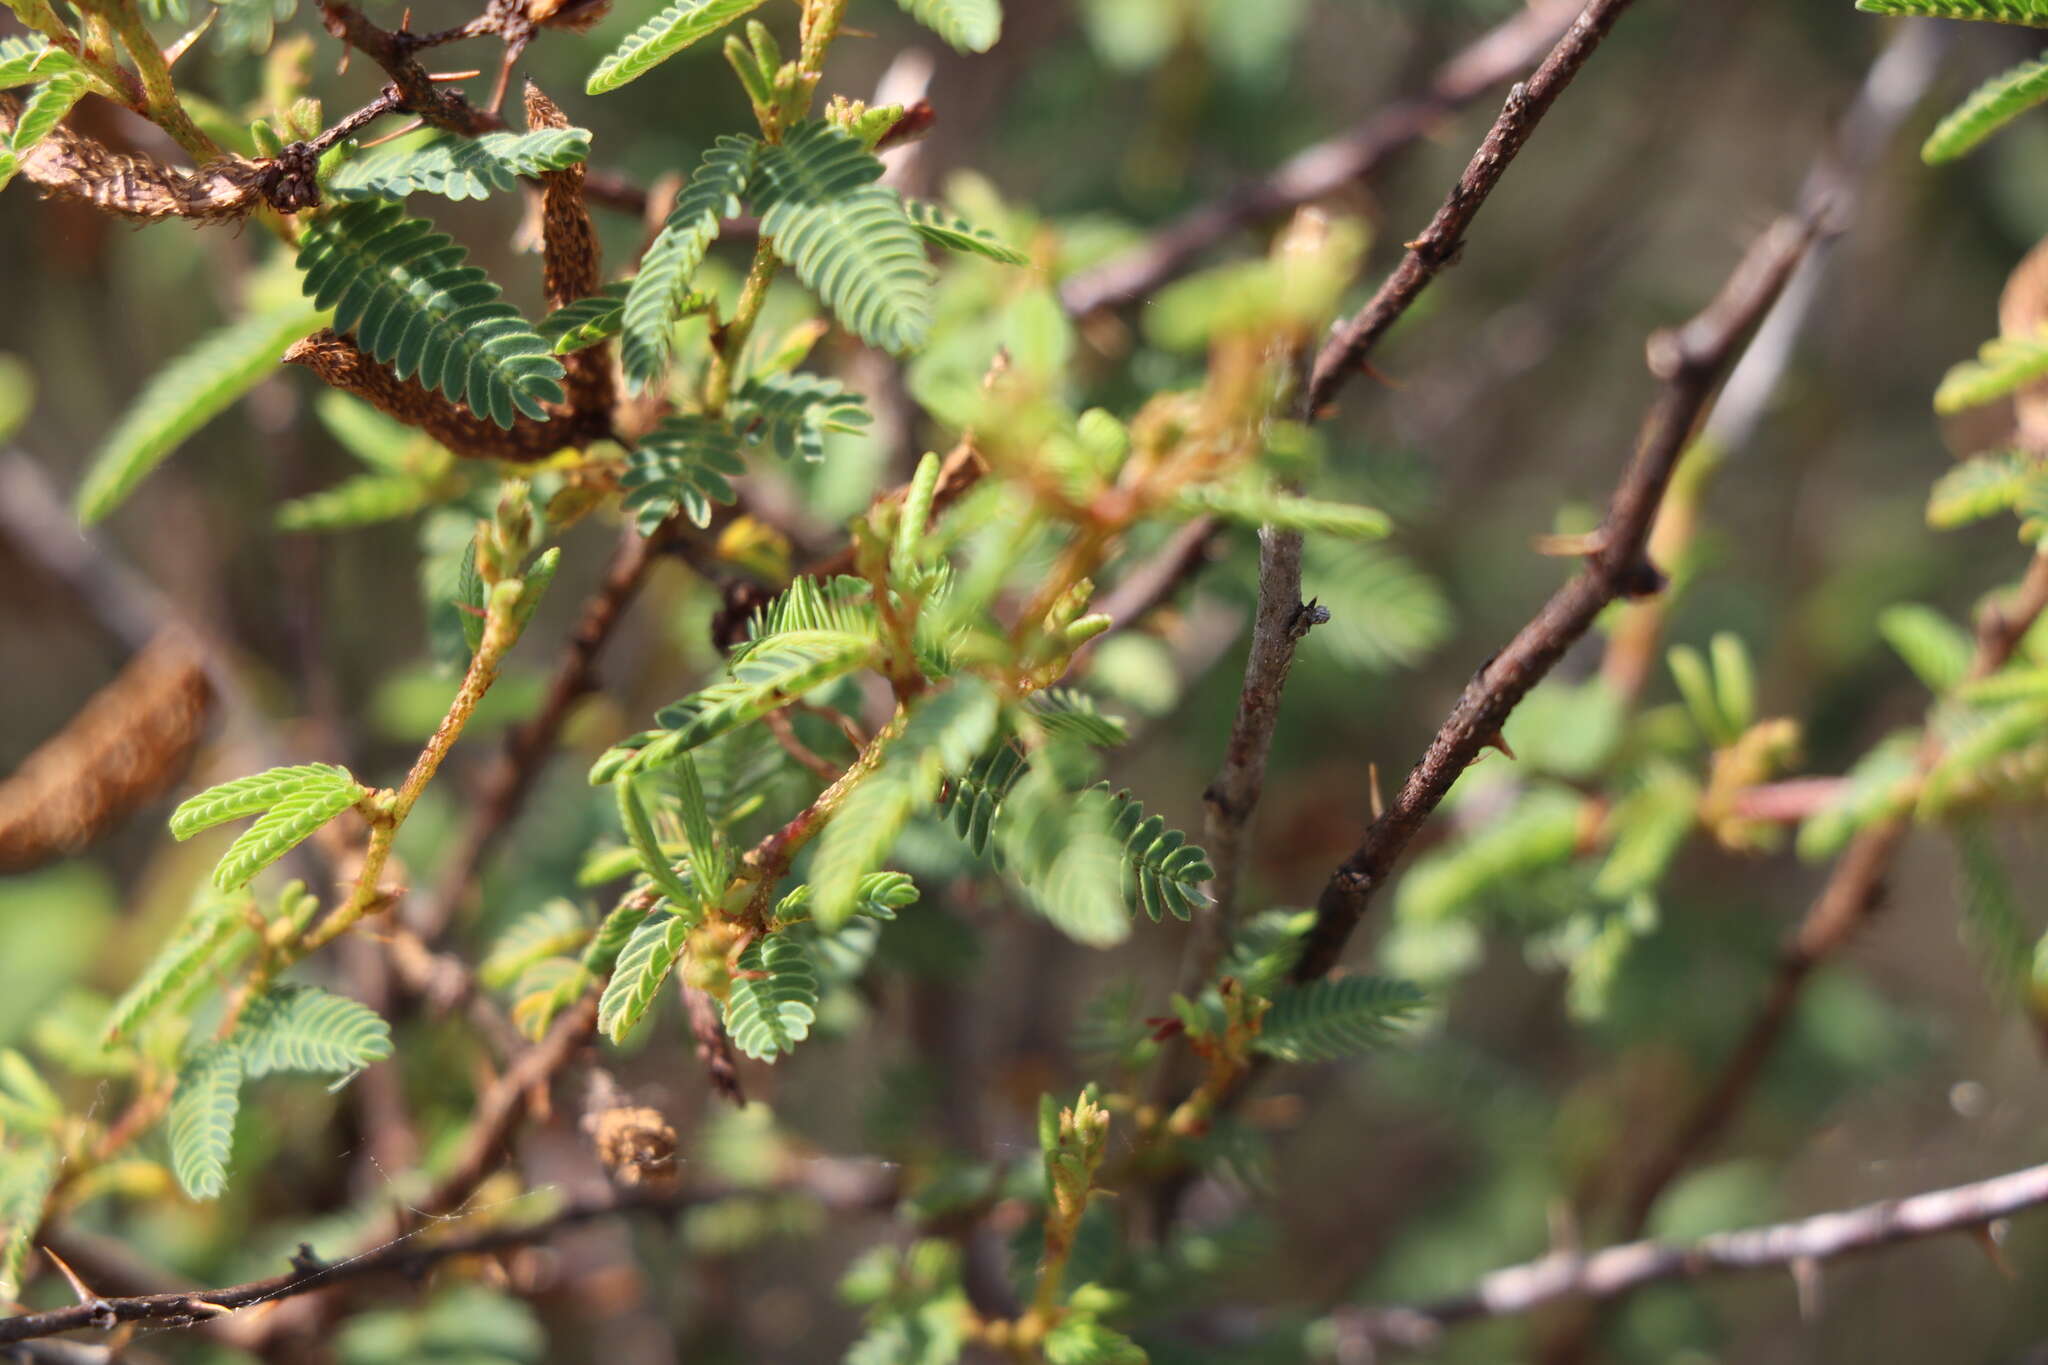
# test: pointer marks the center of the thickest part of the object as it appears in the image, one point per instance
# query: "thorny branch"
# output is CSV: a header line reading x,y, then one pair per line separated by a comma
x,y
1798,1245
1690,360
1280,620
839,1184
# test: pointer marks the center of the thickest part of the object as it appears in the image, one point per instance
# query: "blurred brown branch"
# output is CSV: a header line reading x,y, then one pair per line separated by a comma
x,y
1798,1245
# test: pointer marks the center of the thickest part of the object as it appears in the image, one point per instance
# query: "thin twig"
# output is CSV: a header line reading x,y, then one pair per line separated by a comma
x,y
1324,169
1623,1269
839,1184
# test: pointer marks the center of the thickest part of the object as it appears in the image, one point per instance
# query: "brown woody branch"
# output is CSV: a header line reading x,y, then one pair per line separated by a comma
x,y
1852,894
1281,617
1323,169
1690,360
1798,1245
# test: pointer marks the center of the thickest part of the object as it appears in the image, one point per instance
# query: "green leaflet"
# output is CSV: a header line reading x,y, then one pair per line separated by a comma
x,y
646,961
590,320
685,465
2033,13
299,1028
250,24
848,238
654,863
402,290
770,1013
843,604
1880,785
555,928
862,832
767,677
969,25
941,228
878,895
27,59
661,37
792,413
1256,503
183,397
206,928
1065,853
1165,870
457,167
1084,1341
27,1175
278,831
2003,364
1064,711
247,795
44,109
1981,486
1990,107
202,1121
659,294
1324,1020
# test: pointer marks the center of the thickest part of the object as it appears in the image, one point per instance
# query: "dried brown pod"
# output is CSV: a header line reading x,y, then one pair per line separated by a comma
x,y
637,1145
570,268
69,165
129,743
570,14
339,362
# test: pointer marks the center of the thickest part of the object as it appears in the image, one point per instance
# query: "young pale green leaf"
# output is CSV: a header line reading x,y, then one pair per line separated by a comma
x,y
1989,108
645,963
1879,786
183,397
1261,504
546,988
684,465
1934,647
402,290
660,294
258,792
556,928
1982,486
969,25
301,1029
1084,1341
2032,13
281,829
862,832
793,413
653,862
457,167
1321,1021
662,37
210,924
365,500
2003,364
588,321
773,999
878,895
941,228
202,1120
848,238
1975,755
1064,711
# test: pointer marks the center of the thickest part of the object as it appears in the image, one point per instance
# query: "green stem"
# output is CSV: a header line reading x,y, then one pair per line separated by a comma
x,y
159,95
731,340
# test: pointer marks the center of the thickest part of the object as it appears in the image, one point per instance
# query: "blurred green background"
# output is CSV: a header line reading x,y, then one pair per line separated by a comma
x,y
1501,411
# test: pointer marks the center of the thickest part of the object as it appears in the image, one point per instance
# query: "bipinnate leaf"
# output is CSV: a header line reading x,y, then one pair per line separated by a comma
x,y
202,1120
